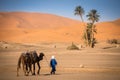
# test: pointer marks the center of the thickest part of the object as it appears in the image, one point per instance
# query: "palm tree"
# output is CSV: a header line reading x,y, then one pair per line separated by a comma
x,y
79,11
90,33
93,16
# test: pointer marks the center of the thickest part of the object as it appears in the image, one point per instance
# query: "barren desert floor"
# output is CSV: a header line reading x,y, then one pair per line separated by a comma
x,y
100,63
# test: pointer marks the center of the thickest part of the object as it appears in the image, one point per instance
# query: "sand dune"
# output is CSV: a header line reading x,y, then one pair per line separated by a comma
x,y
108,30
41,27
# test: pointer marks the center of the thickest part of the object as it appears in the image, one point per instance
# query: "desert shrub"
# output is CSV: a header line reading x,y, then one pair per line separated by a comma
x,y
72,47
112,41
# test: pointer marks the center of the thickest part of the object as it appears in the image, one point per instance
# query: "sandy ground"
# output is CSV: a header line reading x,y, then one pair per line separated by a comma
x,y
98,63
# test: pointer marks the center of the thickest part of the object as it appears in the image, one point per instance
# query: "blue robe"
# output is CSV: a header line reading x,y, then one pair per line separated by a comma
x,y
53,64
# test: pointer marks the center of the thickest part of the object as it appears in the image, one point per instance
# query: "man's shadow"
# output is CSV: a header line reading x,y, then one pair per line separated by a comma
x,y
50,74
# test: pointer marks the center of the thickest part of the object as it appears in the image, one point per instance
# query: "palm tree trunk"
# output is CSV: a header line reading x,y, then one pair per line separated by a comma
x,y
92,37
85,30
81,18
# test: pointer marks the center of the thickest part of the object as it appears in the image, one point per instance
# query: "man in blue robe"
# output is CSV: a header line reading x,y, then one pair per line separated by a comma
x,y
53,64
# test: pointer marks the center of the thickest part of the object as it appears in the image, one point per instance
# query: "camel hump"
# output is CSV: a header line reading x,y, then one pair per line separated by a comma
x,y
23,54
34,55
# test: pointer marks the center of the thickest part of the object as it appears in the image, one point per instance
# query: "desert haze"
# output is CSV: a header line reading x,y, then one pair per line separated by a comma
x,y
52,34
39,27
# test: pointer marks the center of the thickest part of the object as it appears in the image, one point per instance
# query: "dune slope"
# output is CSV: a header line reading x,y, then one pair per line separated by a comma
x,y
40,27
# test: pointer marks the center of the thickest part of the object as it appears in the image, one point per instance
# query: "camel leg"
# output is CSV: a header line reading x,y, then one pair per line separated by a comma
x,y
30,68
33,69
26,70
38,68
17,71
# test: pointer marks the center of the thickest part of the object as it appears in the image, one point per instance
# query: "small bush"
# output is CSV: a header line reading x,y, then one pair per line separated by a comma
x,y
112,41
72,47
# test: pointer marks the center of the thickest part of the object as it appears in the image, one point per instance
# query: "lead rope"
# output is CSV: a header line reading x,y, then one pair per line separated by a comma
x,y
49,69
46,60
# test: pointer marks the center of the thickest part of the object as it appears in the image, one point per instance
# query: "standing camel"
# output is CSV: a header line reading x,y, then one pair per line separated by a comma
x,y
36,59
25,59
28,59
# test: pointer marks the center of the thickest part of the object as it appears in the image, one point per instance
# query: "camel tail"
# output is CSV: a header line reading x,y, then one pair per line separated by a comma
x,y
19,62
19,65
